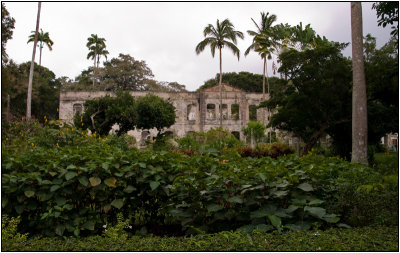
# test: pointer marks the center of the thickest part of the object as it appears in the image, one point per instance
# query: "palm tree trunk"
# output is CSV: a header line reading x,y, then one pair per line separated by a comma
x,y
94,66
265,62
359,113
220,87
29,95
40,55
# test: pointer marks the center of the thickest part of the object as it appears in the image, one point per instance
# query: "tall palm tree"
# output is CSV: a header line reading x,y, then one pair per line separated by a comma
x,y
224,34
304,37
95,45
359,115
43,38
264,42
29,93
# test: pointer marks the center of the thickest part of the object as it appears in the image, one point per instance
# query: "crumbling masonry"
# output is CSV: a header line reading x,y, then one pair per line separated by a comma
x,y
195,111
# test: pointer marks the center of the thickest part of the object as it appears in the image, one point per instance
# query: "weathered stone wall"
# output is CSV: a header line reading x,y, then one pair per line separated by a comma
x,y
193,109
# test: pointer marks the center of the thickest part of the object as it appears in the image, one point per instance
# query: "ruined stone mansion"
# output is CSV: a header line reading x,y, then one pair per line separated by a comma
x,y
195,111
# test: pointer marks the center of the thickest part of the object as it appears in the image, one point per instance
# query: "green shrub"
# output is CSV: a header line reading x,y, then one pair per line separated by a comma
x,y
76,189
9,234
273,150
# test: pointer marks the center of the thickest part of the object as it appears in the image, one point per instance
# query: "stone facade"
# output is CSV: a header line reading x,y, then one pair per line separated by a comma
x,y
195,111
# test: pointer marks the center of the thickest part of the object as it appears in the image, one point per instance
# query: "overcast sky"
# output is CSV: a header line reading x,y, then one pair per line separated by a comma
x,y
165,35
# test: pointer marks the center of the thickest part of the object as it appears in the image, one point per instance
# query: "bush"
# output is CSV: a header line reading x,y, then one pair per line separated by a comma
x,y
76,189
273,150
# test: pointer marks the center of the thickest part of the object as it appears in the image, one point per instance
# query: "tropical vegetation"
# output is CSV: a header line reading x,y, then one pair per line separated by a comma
x,y
79,188
44,39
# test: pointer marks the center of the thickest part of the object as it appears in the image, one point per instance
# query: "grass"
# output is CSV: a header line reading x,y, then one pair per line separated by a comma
x,y
376,238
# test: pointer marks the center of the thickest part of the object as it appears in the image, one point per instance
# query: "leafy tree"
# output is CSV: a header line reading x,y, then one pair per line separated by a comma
x,y
96,47
45,92
311,107
7,26
154,112
263,41
388,13
254,131
224,34
43,38
245,81
359,116
99,116
102,113
144,113
126,73
381,72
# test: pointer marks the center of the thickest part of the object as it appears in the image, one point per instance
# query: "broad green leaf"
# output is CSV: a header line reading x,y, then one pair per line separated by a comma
x,y
259,214
118,203
110,181
236,199
94,181
57,181
4,202
214,208
89,225
60,229
77,232
129,189
61,201
54,188
47,182
343,225
280,193
154,185
29,193
19,209
262,176
83,180
105,166
331,219
316,202
52,173
305,187
71,167
263,228
142,165
275,221
315,211
291,209
69,175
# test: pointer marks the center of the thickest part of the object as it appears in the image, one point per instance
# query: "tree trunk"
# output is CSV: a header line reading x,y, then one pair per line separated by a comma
x,y
265,63
359,111
29,95
40,55
94,66
220,87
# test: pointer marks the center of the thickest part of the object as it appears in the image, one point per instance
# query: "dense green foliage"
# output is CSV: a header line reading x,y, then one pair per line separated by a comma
x,y
45,90
145,112
65,182
375,238
388,13
245,81
7,26
311,107
254,131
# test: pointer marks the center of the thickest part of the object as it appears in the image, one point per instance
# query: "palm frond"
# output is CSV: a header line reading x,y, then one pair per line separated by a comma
x,y
233,48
